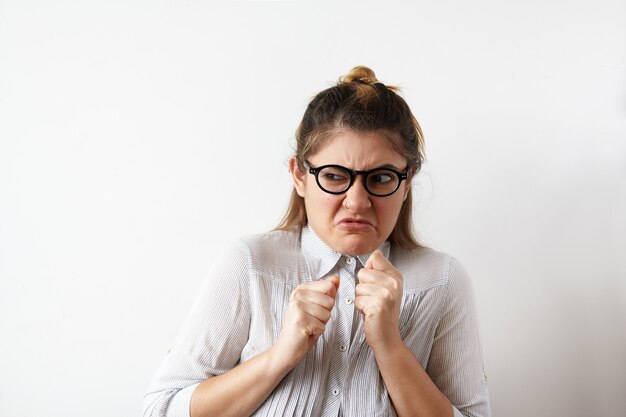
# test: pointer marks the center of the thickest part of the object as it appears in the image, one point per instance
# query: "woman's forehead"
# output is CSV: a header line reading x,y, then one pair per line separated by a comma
x,y
358,150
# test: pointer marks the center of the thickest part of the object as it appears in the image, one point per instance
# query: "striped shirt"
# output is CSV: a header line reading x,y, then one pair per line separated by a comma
x,y
240,309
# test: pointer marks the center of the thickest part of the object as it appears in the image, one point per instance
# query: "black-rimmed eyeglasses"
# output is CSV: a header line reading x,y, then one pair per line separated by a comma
x,y
379,182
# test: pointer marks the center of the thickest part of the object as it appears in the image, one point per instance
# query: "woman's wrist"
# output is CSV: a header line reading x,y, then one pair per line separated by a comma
x,y
278,363
389,346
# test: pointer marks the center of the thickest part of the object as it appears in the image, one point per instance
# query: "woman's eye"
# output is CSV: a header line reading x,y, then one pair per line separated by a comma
x,y
334,177
381,178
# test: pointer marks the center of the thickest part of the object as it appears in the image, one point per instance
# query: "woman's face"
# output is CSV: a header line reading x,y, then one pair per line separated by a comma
x,y
354,222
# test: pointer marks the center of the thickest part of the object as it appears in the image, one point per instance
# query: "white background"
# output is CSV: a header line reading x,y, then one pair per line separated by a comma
x,y
136,136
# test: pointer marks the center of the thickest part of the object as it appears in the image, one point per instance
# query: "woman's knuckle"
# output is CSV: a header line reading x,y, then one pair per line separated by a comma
x,y
325,316
386,293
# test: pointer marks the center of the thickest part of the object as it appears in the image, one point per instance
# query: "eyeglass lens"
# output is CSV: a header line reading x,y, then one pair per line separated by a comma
x,y
379,182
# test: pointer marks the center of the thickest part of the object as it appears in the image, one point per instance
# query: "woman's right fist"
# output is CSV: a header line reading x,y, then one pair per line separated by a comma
x,y
309,309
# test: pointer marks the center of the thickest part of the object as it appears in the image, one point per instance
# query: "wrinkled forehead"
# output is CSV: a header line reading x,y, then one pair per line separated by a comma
x,y
327,137
359,150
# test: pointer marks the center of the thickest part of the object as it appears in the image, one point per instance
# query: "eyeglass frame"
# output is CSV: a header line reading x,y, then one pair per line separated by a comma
x,y
353,173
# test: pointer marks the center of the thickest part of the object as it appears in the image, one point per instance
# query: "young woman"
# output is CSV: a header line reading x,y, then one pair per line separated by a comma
x,y
339,311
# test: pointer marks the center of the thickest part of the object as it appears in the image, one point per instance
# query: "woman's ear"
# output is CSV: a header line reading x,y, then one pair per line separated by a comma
x,y
408,184
296,175
406,193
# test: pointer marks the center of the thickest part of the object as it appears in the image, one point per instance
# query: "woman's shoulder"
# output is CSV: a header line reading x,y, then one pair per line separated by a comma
x,y
424,267
272,242
274,253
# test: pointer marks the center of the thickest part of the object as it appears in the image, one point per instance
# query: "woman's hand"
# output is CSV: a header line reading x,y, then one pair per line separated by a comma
x,y
310,306
379,298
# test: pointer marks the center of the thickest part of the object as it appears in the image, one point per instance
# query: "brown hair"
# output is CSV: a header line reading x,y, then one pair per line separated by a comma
x,y
361,103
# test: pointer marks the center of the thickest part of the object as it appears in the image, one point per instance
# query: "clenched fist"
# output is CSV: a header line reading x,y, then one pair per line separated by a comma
x,y
379,298
310,306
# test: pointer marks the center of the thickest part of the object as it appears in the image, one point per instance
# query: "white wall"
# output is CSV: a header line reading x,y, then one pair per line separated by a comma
x,y
134,136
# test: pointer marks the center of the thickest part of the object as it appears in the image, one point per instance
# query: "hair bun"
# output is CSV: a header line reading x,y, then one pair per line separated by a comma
x,y
359,74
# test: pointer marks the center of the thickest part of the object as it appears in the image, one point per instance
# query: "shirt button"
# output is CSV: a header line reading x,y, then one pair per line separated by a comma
x,y
348,300
335,392
342,348
350,261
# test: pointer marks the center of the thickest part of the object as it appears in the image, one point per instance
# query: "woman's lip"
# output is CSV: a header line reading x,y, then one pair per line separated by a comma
x,y
354,224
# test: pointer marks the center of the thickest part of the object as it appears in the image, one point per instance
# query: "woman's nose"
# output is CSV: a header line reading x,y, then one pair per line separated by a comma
x,y
357,199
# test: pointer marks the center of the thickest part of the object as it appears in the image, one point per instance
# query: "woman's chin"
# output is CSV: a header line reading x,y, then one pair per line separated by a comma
x,y
356,245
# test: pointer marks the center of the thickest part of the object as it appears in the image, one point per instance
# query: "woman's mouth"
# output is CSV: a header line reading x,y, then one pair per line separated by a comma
x,y
355,225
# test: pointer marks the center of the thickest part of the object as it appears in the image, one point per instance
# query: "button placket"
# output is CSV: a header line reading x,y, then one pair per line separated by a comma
x,y
342,332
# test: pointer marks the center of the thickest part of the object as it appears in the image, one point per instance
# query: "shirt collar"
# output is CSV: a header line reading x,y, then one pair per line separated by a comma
x,y
321,258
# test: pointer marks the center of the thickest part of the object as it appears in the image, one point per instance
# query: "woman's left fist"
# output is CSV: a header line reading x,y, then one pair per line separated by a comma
x,y
379,298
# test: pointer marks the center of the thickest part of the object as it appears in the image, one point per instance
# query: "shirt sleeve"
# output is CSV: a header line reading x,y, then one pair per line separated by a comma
x,y
211,340
456,364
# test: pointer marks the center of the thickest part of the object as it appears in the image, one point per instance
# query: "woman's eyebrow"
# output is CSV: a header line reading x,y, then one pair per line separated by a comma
x,y
388,166
383,166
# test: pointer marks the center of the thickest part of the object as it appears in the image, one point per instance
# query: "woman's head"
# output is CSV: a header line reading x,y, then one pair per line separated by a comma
x,y
370,118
